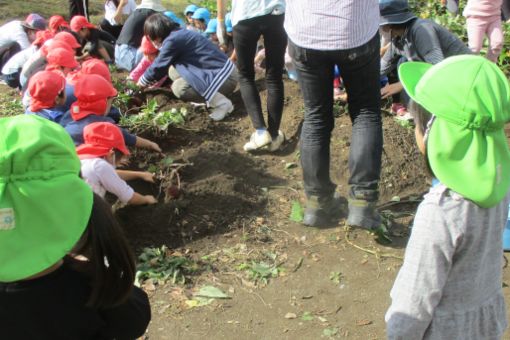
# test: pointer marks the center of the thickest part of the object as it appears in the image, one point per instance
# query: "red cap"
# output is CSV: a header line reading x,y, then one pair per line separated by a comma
x,y
61,57
44,87
79,21
147,46
53,44
41,37
68,38
99,138
56,22
90,66
92,92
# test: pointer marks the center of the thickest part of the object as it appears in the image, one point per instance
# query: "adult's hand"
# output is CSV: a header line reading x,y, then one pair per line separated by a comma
x,y
391,89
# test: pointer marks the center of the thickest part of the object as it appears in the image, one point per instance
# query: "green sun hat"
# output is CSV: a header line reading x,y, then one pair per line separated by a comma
x,y
44,205
466,146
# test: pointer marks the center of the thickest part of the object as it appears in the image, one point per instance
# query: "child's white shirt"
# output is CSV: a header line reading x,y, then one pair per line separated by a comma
x,y
449,286
102,177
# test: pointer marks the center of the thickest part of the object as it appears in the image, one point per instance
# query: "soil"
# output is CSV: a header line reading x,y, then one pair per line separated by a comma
x,y
235,209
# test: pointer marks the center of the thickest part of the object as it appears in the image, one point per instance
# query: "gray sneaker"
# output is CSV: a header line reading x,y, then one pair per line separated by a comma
x,y
322,211
363,213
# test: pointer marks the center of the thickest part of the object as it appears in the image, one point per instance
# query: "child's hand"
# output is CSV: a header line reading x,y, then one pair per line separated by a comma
x,y
155,147
391,89
147,176
149,199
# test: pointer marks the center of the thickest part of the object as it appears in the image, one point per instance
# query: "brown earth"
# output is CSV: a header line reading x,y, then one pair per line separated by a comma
x,y
235,209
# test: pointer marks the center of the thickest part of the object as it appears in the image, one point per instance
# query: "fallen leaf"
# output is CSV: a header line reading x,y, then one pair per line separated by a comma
x,y
330,331
307,316
290,316
363,322
212,292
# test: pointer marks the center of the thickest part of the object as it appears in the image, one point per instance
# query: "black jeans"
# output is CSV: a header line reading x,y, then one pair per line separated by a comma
x,y
360,72
113,30
78,7
246,34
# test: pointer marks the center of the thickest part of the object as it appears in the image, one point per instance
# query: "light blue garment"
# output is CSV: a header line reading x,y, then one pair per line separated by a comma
x,y
202,14
247,9
212,26
228,22
127,57
171,15
190,9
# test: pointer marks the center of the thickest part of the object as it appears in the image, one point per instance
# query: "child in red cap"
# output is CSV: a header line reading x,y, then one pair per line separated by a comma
x,y
57,24
95,43
61,60
150,52
89,66
47,91
94,99
100,154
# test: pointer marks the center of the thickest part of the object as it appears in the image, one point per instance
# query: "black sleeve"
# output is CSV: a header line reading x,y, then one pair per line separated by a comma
x,y
129,320
105,36
92,44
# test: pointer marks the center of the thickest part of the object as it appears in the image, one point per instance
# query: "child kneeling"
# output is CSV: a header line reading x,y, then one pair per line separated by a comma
x,y
102,151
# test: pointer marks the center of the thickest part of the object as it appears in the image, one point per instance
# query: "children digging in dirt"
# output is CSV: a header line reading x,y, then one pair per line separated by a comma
x,y
412,39
449,286
198,69
101,152
73,273
94,98
149,55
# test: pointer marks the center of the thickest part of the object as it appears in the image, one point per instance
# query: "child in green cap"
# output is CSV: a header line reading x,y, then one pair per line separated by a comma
x,y
66,270
449,286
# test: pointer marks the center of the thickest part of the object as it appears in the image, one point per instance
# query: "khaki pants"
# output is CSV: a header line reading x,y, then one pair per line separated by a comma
x,y
184,91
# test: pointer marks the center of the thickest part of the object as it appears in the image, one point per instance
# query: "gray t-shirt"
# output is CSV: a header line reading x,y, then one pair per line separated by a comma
x,y
449,286
424,41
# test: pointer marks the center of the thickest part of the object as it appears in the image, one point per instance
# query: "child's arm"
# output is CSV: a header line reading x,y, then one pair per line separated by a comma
x,y
128,175
104,54
147,144
140,69
418,287
138,199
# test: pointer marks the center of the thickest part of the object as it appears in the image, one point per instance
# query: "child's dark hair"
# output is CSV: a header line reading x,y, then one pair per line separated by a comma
x,y
421,117
159,26
111,264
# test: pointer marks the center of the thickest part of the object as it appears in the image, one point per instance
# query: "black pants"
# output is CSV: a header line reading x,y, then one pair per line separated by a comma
x,y
246,34
78,7
113,30
360,69
506,9
7,51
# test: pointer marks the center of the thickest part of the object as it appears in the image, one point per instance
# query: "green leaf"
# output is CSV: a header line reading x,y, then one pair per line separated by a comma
x,y
307,316
297,212
330,331
167,161
212,293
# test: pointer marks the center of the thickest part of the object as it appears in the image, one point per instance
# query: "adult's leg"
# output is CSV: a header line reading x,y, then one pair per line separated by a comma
x,y
75,8
181,88
230,84
246,35
452,6
125,57
496,39
361,78
315,76
505,9
275,43
476,29
107,27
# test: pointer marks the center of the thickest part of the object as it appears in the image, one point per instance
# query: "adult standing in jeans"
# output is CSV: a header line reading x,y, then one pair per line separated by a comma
x,y
323,34
251,20
78,7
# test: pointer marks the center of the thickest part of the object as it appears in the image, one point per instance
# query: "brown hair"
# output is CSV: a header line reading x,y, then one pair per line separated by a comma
x,y
422,118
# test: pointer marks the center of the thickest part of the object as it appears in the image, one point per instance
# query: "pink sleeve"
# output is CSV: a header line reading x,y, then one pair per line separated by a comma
x,y
139,70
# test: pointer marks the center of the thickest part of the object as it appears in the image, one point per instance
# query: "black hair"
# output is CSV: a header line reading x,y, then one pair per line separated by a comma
x,y
159,26
115,2
111,263
421,117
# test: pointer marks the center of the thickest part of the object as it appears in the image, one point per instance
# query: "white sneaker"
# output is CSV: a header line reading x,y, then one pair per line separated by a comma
x,y
258,141
221,107
277,142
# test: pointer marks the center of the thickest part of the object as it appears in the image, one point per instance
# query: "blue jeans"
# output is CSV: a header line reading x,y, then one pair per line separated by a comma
x,y
360,72
127,57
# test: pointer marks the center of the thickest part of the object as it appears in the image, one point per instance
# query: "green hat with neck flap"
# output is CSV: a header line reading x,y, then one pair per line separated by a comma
x,y
466,146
